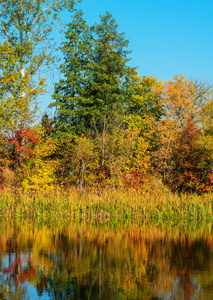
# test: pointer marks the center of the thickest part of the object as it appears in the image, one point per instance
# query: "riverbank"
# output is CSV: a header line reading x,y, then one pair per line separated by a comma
x,y
156,205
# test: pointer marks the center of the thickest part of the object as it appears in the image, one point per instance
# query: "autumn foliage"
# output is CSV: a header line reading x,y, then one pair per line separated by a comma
x,y
111,126
188,174
22,142
124,153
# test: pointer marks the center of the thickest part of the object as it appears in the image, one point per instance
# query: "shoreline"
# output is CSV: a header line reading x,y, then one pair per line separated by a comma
x,y
153,205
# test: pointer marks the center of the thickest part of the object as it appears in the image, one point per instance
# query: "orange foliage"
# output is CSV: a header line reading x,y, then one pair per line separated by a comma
x,y
187,175
23,142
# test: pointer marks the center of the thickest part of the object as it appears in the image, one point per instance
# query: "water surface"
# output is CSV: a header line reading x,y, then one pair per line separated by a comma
x,y
90,261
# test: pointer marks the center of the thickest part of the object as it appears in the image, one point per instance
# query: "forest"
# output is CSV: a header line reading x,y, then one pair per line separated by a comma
x,y
112,128
108,194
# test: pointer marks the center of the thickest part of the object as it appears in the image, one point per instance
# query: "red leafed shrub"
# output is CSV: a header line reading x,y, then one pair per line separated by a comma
x,y
133,179
210,178
23,142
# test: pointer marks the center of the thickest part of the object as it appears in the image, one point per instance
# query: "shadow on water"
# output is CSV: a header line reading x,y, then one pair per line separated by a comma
x,y
104,261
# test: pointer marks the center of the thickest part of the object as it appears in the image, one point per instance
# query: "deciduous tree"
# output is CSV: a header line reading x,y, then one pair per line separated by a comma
x,y
26,26
182,99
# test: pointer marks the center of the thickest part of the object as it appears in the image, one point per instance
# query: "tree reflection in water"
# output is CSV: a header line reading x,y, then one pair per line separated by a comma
x,y
82,261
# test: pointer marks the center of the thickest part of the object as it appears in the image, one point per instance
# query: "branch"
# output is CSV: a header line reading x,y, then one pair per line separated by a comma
x,y
42,11
5,30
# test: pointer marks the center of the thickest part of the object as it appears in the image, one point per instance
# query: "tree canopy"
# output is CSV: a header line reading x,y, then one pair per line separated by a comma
x,y
25,28
112,127
93,90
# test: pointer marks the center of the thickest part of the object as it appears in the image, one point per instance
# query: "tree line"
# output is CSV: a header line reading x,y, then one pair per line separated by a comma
x,y
112,127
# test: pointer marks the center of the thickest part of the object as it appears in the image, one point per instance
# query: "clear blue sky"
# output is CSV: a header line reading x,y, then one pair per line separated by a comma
x,y
167,37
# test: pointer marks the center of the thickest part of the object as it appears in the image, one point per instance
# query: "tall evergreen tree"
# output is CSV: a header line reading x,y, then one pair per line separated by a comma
x,y
70,91
92,93
107,89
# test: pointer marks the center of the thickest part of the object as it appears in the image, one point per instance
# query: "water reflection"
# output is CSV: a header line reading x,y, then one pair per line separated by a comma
x,y
84,261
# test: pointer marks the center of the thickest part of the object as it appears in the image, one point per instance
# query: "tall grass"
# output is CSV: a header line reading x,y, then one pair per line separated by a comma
x,y
156,205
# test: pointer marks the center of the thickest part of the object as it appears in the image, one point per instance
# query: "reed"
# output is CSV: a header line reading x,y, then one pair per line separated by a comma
x,y
156,205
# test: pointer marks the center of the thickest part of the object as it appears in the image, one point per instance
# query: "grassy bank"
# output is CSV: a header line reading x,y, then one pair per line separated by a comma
x,y
148,205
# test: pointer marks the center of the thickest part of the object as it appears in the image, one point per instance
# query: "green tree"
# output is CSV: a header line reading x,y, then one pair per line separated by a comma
x,y
92,94
14,109
26,25
70,91
107,91
144,101
144,108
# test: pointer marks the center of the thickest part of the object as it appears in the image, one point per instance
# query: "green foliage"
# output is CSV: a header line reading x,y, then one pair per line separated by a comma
x,y
110,73
69,92
144,101
112,128
17,93
26,27
95,71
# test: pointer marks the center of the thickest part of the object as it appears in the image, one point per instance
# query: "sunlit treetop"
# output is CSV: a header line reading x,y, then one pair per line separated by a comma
x,y
27,24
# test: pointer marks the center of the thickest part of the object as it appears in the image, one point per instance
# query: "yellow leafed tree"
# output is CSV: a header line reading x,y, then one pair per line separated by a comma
x,y
40,169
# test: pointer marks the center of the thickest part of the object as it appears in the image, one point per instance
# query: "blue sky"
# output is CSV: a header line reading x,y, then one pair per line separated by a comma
x,y
166,37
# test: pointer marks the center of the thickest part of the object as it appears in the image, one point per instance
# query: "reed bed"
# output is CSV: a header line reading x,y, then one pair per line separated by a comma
x,y
157,205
